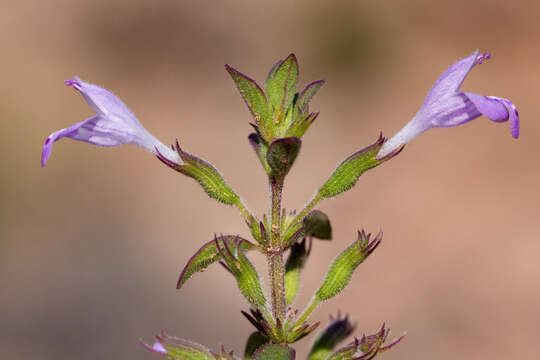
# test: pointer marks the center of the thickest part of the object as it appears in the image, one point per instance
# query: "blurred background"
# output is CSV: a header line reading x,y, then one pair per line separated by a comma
x,y
91,245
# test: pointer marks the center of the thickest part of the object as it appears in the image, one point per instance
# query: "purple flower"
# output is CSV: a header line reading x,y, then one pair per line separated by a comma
x,y
114,124
446,106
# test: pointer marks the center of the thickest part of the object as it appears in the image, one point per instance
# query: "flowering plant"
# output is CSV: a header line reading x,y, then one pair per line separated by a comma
x,y
281,116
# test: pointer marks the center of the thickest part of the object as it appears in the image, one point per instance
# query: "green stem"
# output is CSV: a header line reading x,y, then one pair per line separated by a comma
x,y
309,206
250,219
246,214
276,266
305,314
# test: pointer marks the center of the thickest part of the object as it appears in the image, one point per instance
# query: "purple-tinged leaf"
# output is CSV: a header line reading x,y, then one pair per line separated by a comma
x,y
175,348
340,272
212,182
338,330
209,254
307,94
261,148
347,173
281,87
300,124
365,348
246,275
317,224
254,98
281,155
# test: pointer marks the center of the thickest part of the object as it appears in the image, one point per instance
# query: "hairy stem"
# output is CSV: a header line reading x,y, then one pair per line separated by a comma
x,y
305,314
309,206
248,216
276,266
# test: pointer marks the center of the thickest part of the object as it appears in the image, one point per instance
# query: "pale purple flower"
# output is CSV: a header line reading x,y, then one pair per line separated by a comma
x,y
157,347
114,124
446,106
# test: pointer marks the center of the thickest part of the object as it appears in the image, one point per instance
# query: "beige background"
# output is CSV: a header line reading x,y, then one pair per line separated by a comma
x,y
92,244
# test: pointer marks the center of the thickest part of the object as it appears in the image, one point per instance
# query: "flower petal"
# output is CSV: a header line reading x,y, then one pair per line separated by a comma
x,y
449,111
101,100
450,81
497,109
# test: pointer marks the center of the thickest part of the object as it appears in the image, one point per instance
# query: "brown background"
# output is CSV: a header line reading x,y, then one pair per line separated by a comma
x,y
92,244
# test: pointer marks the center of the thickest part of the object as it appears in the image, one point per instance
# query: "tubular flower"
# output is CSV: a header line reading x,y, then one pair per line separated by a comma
x,y
446,106
114,124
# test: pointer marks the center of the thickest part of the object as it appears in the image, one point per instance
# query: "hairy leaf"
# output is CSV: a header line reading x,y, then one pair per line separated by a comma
x,y
281,155
325,342
294,265
307,94
341,270
281,87
245,273
275,352
255,341
209,254
175,348
347,173
205,174
317,224
254,98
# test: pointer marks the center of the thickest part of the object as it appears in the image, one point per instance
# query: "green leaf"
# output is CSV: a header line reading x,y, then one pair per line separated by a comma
x,y
347,173
281,155
341,270
317,224
325,342
281,87
179,349
275,352
261,148
255,341
254,98
307,94
246,275
294,265
300,124
209,254
205,174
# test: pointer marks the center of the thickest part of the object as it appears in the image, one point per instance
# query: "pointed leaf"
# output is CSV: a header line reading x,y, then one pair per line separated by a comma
x,y
365,348
246,275
317,224
294,265
275,352
338,329
341,270
281,155
175,348
205,174
307,94
348,172
261,148
255,341
253,96
209,254
281,87
300,124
